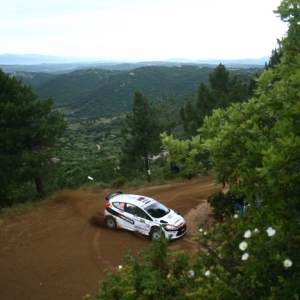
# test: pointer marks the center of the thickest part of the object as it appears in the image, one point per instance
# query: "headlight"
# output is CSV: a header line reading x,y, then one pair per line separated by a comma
x,y
170,227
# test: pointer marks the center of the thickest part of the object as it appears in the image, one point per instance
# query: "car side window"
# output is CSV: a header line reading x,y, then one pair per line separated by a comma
x,y
129,208
140,213
119,205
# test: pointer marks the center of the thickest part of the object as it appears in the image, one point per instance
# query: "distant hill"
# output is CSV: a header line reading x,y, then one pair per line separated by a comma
x,y
32,78
100,93
94,93
10,63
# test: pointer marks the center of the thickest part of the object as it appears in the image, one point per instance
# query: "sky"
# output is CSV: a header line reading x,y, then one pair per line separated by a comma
x,y
141,30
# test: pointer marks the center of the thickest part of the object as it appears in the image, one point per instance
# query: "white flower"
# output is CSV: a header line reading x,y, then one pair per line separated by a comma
x,y
271,231
245,256
287,263
247,234
90,178
207,273
236,216
243,246
200,229
191,273
120,266
205,233
255,230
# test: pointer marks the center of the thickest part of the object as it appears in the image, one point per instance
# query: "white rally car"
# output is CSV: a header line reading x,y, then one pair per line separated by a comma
x,y
142,214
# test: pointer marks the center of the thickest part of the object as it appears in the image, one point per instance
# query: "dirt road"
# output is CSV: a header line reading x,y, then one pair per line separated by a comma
x,y
60,250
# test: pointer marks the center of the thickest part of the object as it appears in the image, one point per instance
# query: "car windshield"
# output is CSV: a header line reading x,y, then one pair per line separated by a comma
x,y
157,210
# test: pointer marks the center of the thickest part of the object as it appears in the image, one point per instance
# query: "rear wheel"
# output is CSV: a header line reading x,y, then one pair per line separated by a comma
x,y
111,222
155,233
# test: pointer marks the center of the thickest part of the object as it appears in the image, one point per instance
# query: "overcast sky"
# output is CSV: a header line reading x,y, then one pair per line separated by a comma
x,y
138,30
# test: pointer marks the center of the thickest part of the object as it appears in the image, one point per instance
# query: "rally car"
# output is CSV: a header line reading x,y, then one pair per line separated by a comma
x,y
143,214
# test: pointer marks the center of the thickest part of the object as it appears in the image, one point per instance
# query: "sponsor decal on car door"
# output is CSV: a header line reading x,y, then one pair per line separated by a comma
x,y
142,221
141,225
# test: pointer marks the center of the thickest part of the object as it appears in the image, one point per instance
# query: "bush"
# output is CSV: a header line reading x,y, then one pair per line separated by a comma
x,y
154,273
222,204
118,182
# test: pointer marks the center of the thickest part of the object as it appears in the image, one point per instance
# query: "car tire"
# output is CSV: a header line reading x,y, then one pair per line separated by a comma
x,y
110,222
155,233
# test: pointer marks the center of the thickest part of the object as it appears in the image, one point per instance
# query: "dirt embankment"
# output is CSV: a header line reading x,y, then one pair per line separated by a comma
x,y
60,251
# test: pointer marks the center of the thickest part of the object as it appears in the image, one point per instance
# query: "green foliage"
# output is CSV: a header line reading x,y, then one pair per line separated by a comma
x,y
219,79
153,274
253,147
189,154
34,79
95,93
118,182
91,145
247,264
275,58
100,93
222,92
141,132
252,262
28,133
222,204
92,148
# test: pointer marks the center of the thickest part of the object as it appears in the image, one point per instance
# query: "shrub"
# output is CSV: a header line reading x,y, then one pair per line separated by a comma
x,y
154,273
222,204
118,182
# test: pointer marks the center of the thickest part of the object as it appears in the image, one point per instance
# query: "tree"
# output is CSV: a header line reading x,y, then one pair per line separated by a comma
x,y
205,103
222,92
253,148
257,143
28,132
189,117
219,79
141,133
275,58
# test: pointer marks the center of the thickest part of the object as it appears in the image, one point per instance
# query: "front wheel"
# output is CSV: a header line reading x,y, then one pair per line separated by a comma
x,y
155,233
111,222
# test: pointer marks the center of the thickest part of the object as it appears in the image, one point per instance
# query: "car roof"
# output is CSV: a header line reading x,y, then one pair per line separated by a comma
x,y
138,200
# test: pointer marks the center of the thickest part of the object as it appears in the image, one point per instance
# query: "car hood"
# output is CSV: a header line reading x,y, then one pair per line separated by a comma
x,y
172,218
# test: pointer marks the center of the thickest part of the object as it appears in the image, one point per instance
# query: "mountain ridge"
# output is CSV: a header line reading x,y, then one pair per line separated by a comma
x,y
53,64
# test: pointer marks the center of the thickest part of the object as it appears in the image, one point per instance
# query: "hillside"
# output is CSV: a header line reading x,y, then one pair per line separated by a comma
x,y
95,93
95,101
101,93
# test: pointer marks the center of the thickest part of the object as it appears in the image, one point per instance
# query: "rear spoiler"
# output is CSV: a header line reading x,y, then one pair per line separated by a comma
x,y
108,197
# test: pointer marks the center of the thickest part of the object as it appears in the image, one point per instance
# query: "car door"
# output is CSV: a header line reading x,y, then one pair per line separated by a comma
x,y
136,219
122,220
142,222
127,218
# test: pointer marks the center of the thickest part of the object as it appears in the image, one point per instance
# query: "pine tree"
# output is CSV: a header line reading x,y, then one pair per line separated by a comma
x,y
222,91
141,133
28,131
